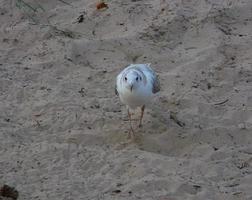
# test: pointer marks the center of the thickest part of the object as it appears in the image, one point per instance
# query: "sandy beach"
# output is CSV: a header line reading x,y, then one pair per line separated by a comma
x,y
63,131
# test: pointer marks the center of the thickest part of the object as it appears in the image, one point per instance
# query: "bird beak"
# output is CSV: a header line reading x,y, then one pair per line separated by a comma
x,y
131,87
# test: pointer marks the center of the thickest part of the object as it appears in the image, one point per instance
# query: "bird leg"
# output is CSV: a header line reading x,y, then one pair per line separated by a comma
x,y
131,128
141,117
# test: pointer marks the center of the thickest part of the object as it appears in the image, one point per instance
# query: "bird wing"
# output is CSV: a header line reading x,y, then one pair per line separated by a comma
x,y
156,85
148,71
117,84
116,92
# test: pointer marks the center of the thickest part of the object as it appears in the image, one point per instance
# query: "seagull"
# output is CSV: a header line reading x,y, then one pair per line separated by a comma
x,y
135,86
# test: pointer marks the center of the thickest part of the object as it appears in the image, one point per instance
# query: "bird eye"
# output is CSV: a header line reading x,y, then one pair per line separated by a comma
x,y
125,78
136,78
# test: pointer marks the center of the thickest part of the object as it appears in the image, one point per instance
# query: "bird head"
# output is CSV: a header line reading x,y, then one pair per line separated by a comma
x,y
132,80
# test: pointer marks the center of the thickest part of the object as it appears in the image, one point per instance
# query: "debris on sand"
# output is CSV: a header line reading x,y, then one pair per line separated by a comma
x,y
10,192
101,5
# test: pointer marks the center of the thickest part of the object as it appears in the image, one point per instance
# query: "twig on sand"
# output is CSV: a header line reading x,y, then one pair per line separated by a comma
x,y
23,4
20,2
30,9
176,120
65,3
222,102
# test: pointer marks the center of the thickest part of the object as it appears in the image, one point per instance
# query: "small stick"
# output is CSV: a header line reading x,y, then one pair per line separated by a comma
x,y
175,119
65,3
27,5
222,102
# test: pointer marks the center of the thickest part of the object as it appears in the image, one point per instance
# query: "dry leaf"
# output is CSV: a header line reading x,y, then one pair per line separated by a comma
x,y
101,5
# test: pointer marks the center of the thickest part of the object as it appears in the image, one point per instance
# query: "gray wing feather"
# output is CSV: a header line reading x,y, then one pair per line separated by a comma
x,y
155,80
116,87
156,85
116,92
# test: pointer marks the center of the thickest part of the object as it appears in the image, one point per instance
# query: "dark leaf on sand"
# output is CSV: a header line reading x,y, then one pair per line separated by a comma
x,y
7,191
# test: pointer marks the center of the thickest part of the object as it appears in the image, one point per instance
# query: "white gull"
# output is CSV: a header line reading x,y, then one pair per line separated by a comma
x,y
135,86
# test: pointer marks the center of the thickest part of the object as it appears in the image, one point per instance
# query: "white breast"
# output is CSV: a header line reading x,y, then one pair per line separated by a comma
x,y
136,98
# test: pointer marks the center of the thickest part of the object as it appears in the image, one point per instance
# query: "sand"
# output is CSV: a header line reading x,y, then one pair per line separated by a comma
x,y
63,132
